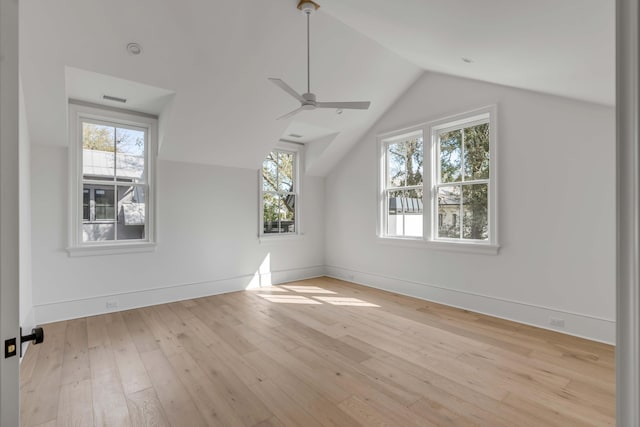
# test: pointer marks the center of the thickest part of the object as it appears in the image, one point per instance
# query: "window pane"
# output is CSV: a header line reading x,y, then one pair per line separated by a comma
x,y
476,213
449,212
96,232
270,172
450,156
130,154
395,214
414,161
98,151
405,213
476,152
285,171
86,194
271,214
104,204
397,164
413,212
100,208
131,212
287,213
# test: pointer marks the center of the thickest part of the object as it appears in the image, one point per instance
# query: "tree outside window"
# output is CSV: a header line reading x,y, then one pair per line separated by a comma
x,y
279,193
462,186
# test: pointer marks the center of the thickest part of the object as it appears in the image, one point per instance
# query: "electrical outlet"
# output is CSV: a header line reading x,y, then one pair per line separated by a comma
x,y
557,322
112,304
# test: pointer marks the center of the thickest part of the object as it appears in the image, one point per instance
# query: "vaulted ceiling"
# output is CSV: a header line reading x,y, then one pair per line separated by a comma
x,y
205,64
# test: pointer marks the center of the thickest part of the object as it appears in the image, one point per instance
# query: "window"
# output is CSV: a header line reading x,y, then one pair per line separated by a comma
x,y
461,184
403,186
279,193
111,177
460,178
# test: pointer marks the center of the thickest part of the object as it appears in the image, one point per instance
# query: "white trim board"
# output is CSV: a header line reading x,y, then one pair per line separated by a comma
x,y
579,325
589,327
73,309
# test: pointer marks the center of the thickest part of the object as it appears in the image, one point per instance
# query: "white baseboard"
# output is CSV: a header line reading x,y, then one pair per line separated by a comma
x,y
73,309
27,323
590,327
580,325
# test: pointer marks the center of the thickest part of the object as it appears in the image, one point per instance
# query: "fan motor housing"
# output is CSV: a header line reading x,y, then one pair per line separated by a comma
x,y
308,6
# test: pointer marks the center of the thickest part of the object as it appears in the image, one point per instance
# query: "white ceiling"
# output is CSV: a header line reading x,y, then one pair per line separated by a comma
x,y
562,47
205,64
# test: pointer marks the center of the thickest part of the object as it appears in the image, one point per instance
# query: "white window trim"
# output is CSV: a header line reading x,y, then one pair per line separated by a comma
x,y
429,240
298,150
383,143
78,111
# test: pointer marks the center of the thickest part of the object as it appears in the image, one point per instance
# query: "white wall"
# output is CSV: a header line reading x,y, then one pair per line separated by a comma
x,y
207,229
556,212
27,320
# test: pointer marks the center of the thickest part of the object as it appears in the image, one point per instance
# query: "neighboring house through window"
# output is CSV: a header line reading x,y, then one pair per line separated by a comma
x,y
460,176
279,186
112,177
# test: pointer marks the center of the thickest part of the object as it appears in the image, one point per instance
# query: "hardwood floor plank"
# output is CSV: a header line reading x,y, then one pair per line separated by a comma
x,y
208,395
145,409
133,375
318,352
285,408
367,414
271,422
75,406
109,403
140,333
177,404
75,365
28,363
41,394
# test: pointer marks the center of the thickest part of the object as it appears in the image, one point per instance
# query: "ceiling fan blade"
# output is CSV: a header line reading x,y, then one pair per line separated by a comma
x,y
292,113
346,105
282,85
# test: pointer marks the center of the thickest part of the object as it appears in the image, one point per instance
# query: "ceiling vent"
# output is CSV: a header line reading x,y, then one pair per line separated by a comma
x,y
114,98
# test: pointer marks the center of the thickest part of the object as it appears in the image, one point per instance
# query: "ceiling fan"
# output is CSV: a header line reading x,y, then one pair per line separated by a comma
x,y
308,100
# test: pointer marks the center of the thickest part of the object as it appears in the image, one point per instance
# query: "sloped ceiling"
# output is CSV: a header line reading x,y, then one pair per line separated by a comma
x,y
208,62
561,47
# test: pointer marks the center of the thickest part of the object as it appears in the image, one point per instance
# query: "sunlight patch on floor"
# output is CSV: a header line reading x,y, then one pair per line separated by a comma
x,y
307,289
289,299
355,302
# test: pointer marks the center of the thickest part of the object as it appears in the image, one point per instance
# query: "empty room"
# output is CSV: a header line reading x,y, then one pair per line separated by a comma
x,y
298,213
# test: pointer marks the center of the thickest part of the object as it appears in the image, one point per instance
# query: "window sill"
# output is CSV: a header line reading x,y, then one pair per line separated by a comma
x,y
466,247
279,238
111,249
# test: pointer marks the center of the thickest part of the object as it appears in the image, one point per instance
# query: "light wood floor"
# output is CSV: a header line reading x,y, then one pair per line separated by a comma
x,y
319,352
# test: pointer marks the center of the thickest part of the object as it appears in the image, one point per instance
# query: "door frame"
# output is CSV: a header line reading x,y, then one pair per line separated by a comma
x,y
9,211
628,214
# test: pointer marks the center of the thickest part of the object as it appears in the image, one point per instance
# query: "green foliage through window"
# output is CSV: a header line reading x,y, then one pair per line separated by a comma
x,y
278,193
463,187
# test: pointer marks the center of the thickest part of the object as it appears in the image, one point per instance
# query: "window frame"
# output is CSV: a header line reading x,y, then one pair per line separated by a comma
x,y
298,152
394,138
431,167
79,113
